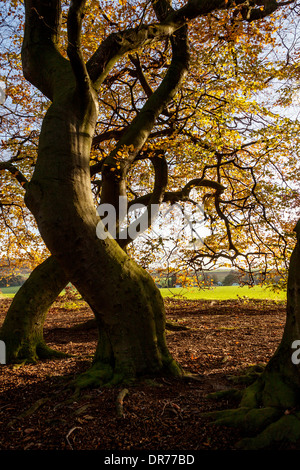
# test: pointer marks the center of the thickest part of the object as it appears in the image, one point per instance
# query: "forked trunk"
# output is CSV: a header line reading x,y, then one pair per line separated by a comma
x,y
127,305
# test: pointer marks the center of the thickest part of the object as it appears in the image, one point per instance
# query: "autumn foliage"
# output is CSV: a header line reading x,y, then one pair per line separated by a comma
x,y
230,123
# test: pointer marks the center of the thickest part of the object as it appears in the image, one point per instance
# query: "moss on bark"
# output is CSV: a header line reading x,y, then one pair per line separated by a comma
x,y
136,346
284,431
22,330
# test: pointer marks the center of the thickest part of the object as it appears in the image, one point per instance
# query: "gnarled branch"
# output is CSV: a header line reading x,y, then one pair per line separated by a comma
x,y
183,194
43,65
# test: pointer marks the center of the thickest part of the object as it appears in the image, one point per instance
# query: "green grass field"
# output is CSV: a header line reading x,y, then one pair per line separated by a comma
x,y
215,293
225,293
8,291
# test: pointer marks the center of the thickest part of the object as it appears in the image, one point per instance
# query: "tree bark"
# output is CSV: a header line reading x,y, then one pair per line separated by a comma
x,y
22,330
128,307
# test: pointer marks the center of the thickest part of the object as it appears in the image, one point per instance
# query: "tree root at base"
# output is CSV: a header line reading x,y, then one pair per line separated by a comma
x,y
263,424
33,354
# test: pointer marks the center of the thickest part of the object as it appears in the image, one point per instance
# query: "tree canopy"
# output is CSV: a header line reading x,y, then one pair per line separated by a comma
x,y
226,124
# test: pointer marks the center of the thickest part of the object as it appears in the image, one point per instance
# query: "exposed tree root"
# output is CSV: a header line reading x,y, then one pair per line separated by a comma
x,y
284,431
30,410
267,420
96,376
90,324
250,375
173,326
247,378
104,374
45,352
100,375
28,353
265,428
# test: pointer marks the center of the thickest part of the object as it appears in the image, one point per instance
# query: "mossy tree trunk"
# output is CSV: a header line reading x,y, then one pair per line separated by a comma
x,y
66,93
269,408
128,307
22,330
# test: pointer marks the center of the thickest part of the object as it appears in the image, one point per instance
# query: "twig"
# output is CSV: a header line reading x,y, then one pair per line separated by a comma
x,y
172,407
120,401
69,433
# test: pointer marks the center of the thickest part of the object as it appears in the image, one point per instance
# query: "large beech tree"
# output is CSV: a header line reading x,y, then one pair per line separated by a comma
x,y
128,308
192,124
131,317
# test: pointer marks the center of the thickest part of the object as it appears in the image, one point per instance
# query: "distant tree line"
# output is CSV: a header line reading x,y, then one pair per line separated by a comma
x,y
12,281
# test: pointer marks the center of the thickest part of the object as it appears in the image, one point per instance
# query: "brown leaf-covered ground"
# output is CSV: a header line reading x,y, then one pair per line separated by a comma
x,y
37,411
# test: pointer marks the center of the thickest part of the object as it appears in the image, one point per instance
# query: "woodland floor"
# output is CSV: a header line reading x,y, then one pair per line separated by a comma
x,y
223,338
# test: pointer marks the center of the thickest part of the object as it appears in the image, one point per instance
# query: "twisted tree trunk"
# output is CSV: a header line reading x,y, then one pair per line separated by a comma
x,y
128,307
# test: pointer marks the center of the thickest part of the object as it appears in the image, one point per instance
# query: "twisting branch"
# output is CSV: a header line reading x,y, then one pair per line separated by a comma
x,y
183,194
227,224
139,131
258,10
108,135
118,44
40,46
140,74
74,51
251,216
119,161
154,199
123,42
15,172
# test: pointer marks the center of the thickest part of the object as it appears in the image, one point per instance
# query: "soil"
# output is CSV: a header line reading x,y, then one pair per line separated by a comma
x,y
220,340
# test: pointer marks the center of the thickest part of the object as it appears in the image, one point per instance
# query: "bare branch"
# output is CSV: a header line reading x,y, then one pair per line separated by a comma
x,y
15,172
140,74
183,194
